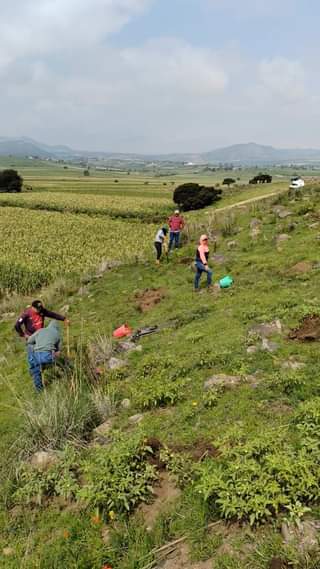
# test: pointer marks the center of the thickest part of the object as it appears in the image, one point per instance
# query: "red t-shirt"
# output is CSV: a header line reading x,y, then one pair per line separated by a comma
x,y
176,223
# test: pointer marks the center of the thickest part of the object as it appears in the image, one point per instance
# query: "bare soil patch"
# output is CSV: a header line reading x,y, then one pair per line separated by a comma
x,y
308,331
164,494
278,563
149,298
180,559
300,268
199,450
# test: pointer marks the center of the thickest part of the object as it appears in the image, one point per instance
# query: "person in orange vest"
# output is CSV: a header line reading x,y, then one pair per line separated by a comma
x,y
176,224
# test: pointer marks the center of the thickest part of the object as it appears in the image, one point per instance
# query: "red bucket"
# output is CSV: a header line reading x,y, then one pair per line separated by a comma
x,y
122,332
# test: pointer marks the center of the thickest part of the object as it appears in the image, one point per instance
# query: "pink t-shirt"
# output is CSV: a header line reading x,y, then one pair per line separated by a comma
x,y
203,251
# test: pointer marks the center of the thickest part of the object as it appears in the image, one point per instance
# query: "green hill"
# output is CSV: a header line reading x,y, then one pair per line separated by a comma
x,y
212,422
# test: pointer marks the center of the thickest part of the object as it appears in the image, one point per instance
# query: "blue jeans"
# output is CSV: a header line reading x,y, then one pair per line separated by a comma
x,y
202,269
37,361
174,238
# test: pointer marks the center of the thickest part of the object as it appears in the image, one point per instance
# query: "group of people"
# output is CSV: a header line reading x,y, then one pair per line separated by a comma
x,y
176,224
44,344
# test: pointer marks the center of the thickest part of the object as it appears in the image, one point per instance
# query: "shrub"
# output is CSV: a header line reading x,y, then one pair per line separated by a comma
x,y
60,479
112,479
193,196
10,181
119,477
159,390
254,482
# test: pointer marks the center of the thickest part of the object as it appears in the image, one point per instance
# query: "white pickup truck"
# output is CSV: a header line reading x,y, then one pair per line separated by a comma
x,y
296,183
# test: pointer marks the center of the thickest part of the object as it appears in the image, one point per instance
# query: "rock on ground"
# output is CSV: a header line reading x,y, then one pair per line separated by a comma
x,y
218,259
266,330
101,433
222,380
305,535
135,419
268,346
115,363
42,460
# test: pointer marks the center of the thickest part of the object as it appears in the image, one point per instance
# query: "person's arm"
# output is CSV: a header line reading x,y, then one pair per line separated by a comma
x,y
54,315
19,325
57,347
202,256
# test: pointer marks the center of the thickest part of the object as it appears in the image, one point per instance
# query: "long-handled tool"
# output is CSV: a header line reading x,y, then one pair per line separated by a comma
x,y
68,340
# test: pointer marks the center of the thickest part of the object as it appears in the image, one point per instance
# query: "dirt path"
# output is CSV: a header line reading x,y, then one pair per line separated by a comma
x,y
252,200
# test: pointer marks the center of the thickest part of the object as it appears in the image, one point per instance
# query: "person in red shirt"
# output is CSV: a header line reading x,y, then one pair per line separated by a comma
x,y
176,224
32,319
201,262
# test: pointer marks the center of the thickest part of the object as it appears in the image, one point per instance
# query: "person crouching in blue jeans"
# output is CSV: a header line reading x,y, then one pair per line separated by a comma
x,y
201,262
43,348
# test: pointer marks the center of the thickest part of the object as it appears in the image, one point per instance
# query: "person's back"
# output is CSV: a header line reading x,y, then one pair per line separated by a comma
x,y
47,339
44,346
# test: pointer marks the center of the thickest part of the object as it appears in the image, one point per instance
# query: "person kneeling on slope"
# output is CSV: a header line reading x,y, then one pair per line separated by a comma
x,y
45,346
201,262
159,242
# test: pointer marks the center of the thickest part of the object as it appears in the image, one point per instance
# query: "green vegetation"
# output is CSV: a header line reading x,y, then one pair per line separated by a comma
x,y
243,456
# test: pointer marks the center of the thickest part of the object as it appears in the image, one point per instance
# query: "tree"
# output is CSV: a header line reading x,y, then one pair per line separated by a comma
x,y
10,181
261,179
193,196
86,172
228,182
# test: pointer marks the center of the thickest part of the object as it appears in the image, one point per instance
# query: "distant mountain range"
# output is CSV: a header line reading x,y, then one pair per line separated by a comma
x,y
247,154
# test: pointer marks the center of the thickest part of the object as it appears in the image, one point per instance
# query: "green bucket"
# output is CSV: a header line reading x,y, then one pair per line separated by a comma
x,y
226,282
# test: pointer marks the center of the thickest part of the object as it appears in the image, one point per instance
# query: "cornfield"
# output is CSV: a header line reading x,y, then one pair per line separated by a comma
x,y
36,247
125,207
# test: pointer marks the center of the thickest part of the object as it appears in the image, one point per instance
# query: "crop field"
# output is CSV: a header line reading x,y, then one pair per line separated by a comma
x,y
113,206
36,247
68,223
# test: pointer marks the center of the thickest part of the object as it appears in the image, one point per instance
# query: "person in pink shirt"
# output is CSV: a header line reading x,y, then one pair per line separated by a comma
x,y
201,262
176,224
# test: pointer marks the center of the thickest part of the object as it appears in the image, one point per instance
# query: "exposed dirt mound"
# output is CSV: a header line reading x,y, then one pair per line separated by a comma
x,y
300,268
308,331
277,563
164,494
147,299
199,450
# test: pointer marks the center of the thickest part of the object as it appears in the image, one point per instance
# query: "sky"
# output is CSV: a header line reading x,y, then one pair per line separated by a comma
x,y
160,76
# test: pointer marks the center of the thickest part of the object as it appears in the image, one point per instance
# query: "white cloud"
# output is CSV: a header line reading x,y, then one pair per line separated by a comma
x,y
283,78
39,27
62,80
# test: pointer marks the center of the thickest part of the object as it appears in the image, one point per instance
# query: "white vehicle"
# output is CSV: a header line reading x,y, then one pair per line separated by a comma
x,y
296,183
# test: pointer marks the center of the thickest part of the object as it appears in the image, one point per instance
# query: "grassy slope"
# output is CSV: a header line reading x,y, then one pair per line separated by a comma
x,y
261,293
